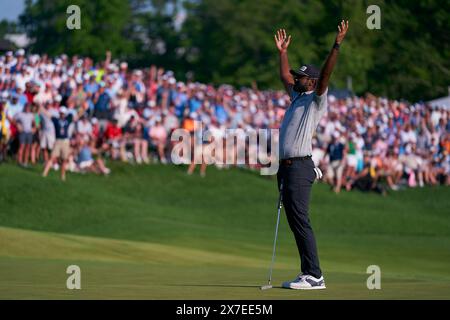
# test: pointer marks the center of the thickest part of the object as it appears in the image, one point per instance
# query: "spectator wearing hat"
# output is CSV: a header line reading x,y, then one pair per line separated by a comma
x,y
102,106
47,132
158,136
45,95
84,126
129,136
61,150
365,181
88,157
123,69
393,168
351,160
21,97
78,96
14,106
92,86
20,61
113,135
336,152
197,149
24,121
35,146
141,144
30,91
10,61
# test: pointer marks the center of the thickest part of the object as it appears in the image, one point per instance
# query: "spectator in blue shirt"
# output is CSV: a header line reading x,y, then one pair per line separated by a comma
x,y
21,97
14,107
335,170
102,106
194,104
92,86
61,149
221,113
180,101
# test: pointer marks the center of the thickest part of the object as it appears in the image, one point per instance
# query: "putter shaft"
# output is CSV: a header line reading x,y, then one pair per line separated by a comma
x,y
280,204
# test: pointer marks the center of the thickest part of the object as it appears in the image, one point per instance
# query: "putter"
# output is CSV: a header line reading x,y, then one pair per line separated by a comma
x,y
280,204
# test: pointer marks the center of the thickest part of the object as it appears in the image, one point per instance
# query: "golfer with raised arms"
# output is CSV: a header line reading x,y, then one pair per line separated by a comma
x,y
308,89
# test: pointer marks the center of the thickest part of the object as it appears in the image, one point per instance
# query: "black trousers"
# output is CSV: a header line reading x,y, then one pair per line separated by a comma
x,y
297,178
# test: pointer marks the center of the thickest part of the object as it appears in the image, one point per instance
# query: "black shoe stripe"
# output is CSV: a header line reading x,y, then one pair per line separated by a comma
x,y
314,283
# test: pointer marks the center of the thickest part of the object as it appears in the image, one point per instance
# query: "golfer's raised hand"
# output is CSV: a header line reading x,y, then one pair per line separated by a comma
x,y
342,31
282,41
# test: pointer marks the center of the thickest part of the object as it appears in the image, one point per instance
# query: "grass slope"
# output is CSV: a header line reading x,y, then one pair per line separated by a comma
x,y
155,233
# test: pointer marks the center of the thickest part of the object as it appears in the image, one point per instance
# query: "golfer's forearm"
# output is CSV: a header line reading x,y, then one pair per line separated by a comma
x,y
327,70
284,67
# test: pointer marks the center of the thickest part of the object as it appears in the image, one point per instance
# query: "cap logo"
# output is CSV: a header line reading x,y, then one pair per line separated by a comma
x,y
303,68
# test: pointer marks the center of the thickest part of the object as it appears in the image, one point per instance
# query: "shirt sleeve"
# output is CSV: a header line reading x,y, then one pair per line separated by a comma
x,y
321,101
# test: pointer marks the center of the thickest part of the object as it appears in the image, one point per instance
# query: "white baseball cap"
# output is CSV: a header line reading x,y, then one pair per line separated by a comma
x,y
147,113
34,58
50,68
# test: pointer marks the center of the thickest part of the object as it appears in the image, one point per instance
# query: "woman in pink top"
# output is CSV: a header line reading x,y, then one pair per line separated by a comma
x,y
158,134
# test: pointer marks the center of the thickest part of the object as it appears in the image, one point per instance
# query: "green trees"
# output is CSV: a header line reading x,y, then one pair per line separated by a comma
x,y
231,41
412,50
103,27
7,27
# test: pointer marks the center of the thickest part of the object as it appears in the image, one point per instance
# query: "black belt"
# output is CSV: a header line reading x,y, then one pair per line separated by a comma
x,y
289,161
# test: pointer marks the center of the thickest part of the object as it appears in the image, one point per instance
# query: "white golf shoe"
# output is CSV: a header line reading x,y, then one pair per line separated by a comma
x,y
287,284
305,282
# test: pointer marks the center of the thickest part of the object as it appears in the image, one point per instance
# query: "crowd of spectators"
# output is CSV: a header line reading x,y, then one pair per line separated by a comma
x,y
71,113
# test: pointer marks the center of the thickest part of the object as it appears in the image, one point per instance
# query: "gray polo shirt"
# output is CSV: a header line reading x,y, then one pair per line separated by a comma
x,y
300,122
26,120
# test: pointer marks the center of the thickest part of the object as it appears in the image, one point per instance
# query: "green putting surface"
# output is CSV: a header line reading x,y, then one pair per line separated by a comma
x,y
155,233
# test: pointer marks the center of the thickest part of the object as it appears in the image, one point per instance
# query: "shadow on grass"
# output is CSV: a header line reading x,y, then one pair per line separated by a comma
x,y
214,285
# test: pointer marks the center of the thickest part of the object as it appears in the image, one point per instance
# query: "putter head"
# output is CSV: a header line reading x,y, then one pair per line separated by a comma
x,y
266,287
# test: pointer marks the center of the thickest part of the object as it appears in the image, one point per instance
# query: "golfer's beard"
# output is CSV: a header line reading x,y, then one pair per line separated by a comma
x,y
298,87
